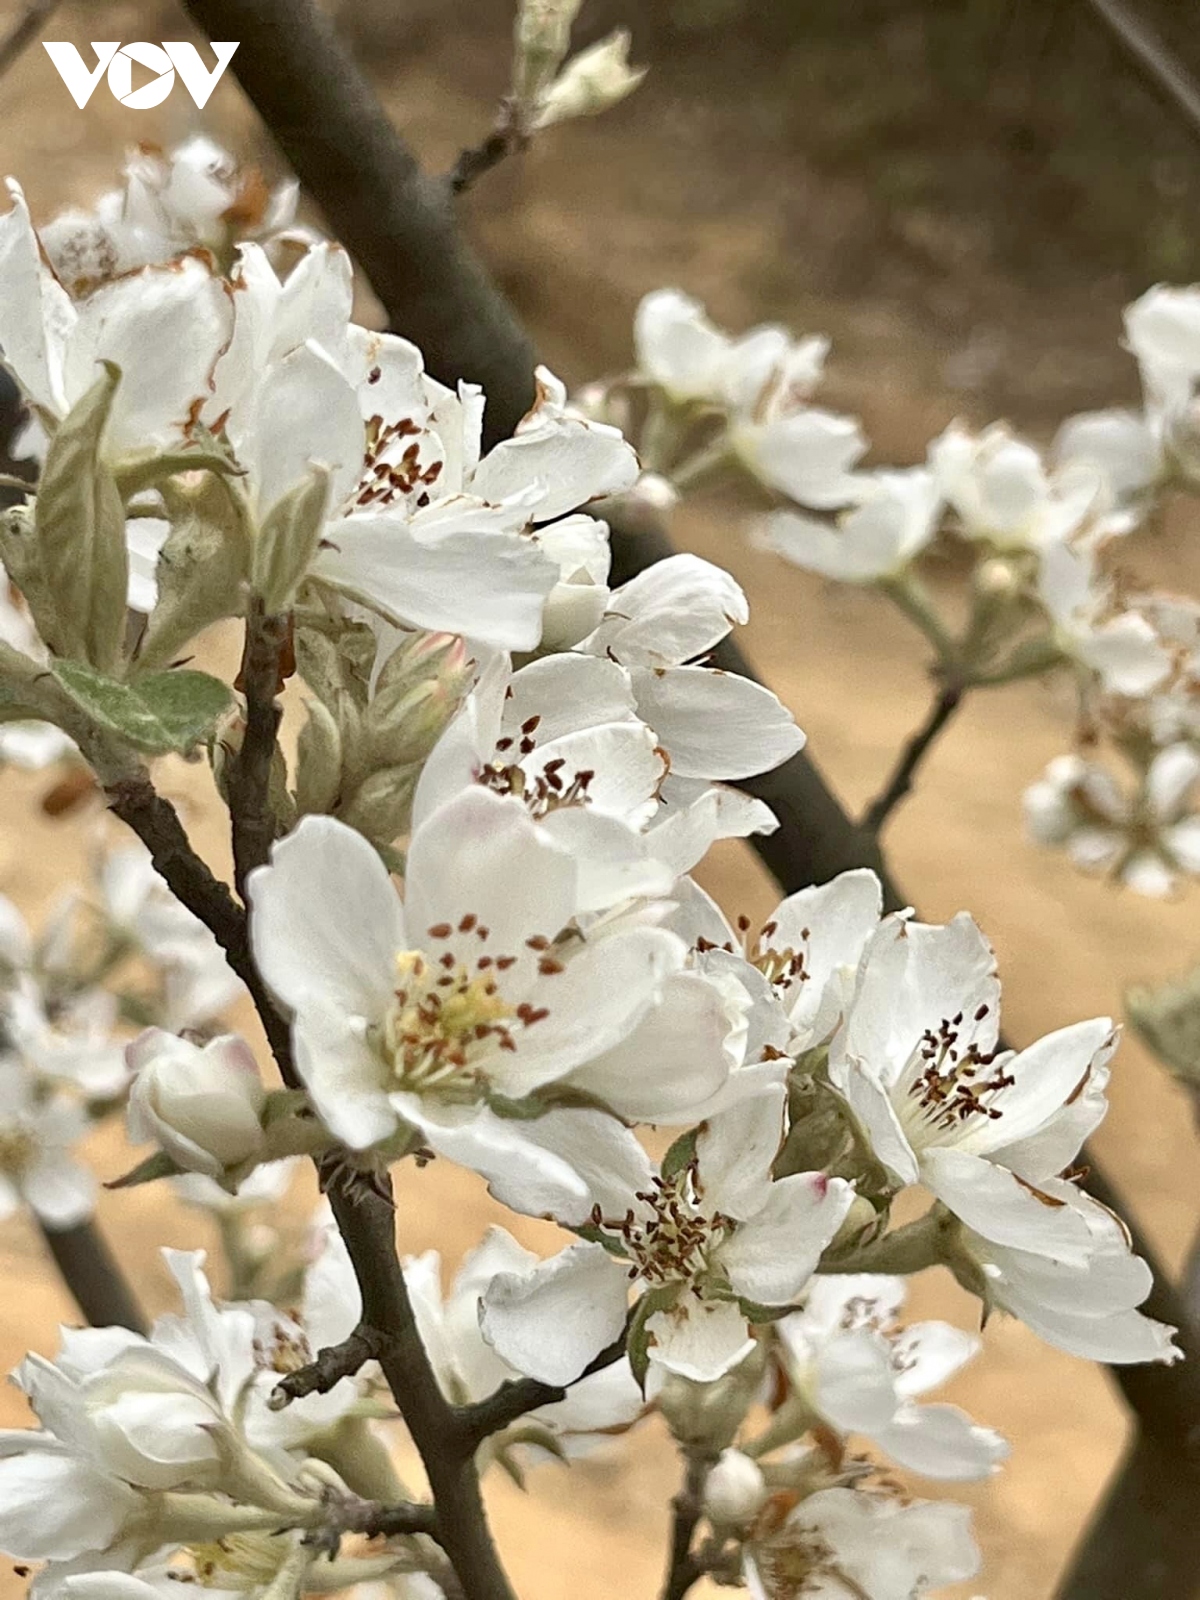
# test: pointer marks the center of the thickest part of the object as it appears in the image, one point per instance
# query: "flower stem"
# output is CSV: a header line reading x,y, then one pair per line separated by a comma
x,y
914,752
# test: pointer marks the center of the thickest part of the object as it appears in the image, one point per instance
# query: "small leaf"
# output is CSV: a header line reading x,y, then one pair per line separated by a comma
x,y
288,538
759,1314
681,1154
80,522
201,568
159,1165
637,1340
158,713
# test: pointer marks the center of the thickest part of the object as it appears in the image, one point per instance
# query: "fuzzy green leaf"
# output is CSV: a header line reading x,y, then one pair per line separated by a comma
x,y
160,712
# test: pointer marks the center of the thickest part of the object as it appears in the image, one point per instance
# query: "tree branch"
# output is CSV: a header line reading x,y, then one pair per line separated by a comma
x,y
260,681
519,1396
914,752
505,139
683,1570
399,222
386,1522
97,1284
1158,66
25,30
365,1216
330,1365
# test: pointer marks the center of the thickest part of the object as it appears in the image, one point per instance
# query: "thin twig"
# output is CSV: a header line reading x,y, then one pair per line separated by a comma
x,y
97,1284
1156,64
683,1569
25,30
252,818
519,1396
505,139
914,752
385,1522
327,1369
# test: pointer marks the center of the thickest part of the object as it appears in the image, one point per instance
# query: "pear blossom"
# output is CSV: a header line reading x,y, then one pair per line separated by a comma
x,y
861,1372
854,1544
1087,1307
707,1240
894,518
201,1105
469,1369
1002,493
1126,450
1123,649
195,195
1163,333
1147,840
37,1132
919,1061
164,327
408,1019
591,82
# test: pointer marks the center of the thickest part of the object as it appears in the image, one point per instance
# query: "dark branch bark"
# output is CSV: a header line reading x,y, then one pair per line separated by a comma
x,y
328,1368
504,140
1159,68
398,222
90,1272
157,825
385,1522
683,1570
901,781
367,1222
250,811
519,1396
25,30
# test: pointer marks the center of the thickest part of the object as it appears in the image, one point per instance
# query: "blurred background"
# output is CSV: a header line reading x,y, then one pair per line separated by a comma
x,y
963,196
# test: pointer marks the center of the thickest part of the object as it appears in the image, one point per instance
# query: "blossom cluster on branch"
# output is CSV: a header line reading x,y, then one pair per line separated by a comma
x,y
1045,532
469,905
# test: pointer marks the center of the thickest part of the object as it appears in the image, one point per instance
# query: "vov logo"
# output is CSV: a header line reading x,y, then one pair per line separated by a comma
x,y
164,61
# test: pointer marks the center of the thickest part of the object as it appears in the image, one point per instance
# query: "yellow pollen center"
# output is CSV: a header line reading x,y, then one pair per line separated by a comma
x,y
444,1020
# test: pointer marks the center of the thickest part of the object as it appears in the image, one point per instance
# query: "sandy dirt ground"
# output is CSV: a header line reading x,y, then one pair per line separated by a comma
x,y
673,194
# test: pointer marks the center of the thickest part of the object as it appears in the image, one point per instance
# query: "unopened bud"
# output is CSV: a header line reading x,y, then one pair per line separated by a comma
x,y
202,1106
735,1492
707,1416
541,39
591,82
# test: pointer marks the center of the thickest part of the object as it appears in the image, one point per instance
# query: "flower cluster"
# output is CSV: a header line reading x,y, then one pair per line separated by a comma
x,y
474,915
1044,532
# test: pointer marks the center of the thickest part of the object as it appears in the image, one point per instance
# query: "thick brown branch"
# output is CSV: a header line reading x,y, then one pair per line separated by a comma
x,y
97,1284
399,222
386,1522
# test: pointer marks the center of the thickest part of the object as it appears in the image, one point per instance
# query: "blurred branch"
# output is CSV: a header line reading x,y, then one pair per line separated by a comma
x,y
505,139
1155,63
399,222
25,30
90,1272
918,746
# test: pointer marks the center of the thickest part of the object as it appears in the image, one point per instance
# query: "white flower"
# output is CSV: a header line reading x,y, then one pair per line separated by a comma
x,y
164,327
36,1167
707,1240
862,1373
194,195
1121,647
1163,330
591,81
469,1369
735,1491
713,725
1125,448
202,1106
895,518
1002,493
1087,1307
918,1060
411,1017
847,1544
1147,840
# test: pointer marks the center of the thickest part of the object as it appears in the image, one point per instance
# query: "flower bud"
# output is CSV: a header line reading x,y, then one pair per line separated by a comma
x,y
202,1106
541,39
735,1492
591,82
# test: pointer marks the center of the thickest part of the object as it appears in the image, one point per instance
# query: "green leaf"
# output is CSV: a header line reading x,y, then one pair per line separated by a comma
x,y
681,1154
160,712
595,1235
288,538
201,568
759,1314
139,476
637,1341
80,523
159,1165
